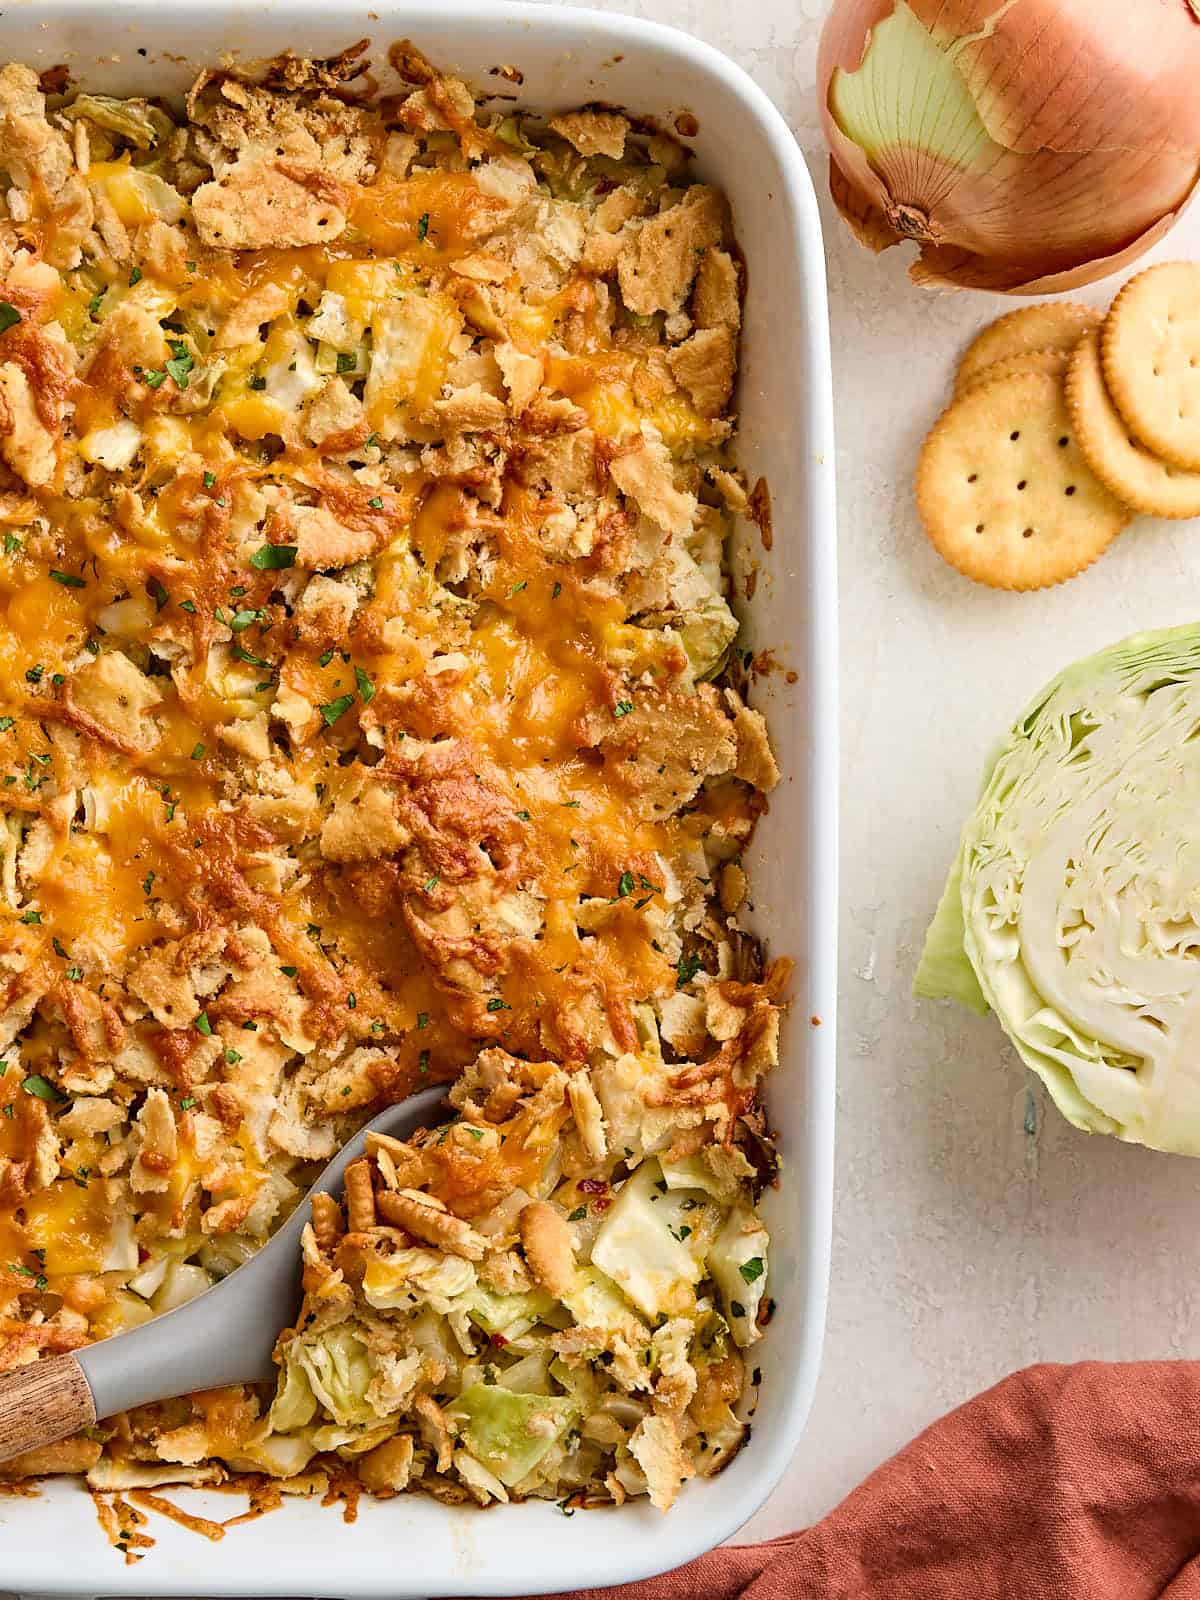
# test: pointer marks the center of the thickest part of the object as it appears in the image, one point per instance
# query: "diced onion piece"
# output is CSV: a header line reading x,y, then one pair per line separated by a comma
x,y
181,1283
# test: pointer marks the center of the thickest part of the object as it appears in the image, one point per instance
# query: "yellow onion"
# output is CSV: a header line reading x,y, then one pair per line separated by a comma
x,y
1028,146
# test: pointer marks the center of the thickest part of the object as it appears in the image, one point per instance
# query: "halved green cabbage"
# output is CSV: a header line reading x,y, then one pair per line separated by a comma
x,y
510,1433
1073,908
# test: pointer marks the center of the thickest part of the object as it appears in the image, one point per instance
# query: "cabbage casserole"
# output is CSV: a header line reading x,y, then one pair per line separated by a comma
x,y
1072,910
371,718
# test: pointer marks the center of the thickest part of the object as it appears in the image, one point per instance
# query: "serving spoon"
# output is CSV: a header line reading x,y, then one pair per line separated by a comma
x,y
225,1335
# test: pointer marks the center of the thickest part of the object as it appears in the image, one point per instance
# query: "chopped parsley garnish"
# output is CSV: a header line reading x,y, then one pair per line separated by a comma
x,y
11,544
521,816
517,587
135,277
210,480
257,383
289,972
40,1088
187,1102
622,708
624,885
58,947
243,654
556,591
423,225
202,1024
5,724
31,916
242,620
352,1002
376,502
422,1019
155,379
9,316
423,1061
498,1005
189,606
181,362
366,688
325,657
752,1270
578,1215
94,302
67,579
346,361
157,593
198,752
147,883
336,708
75,974
273,557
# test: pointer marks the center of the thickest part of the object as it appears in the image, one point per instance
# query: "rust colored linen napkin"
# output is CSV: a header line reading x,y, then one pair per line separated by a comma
x,y
1061,1483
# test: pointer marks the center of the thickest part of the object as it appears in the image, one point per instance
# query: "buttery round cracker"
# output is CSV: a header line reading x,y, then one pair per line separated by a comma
x,y
1052,325
1003,492
1150,351
1052,361
1134,475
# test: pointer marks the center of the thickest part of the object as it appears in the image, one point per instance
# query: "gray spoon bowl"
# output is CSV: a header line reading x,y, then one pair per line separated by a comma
x,y
225,1335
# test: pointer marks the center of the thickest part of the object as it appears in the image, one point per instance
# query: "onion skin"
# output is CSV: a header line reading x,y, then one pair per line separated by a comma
x,y
1095,108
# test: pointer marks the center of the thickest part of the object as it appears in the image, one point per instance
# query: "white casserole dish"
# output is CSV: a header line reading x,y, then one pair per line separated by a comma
x,y
413,1546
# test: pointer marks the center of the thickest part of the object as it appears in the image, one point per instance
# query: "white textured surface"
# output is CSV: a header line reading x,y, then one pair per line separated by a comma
x,y
963,1247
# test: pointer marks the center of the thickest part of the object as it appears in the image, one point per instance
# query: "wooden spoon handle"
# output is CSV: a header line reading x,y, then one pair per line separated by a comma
x,y
42,1403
